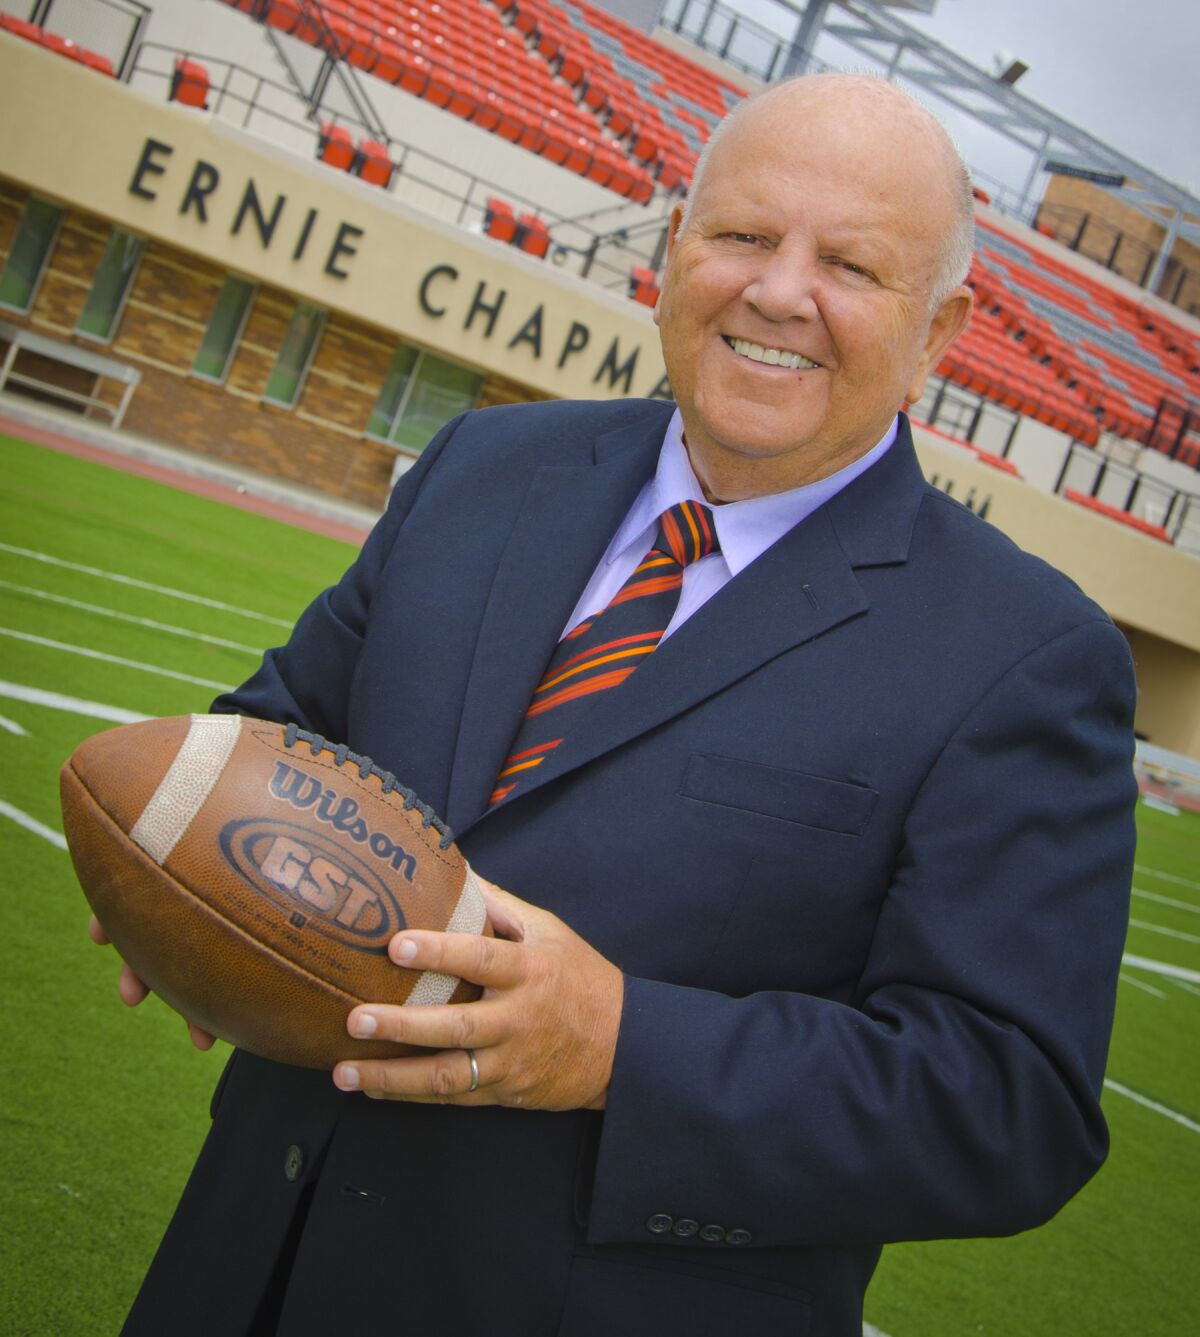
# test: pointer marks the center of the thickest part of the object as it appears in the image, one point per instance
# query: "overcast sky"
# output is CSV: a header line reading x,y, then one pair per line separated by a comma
x,y
1127,73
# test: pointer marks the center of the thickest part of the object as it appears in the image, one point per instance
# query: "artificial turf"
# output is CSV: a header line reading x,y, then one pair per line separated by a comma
x,y
102,1108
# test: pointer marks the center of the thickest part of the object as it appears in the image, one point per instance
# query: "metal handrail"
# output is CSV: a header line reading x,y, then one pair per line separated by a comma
x,y
604,256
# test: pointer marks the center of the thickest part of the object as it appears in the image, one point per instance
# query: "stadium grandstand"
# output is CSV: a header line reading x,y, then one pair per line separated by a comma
x,y
296,236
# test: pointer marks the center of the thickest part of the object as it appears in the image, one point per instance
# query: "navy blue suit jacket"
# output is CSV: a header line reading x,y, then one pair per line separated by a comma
x,y
859,835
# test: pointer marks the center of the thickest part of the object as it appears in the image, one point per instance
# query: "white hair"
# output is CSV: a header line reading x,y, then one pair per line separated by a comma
x,y
957,244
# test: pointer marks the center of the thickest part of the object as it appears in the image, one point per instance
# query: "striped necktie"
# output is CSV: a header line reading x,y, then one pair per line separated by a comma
x,y
606,647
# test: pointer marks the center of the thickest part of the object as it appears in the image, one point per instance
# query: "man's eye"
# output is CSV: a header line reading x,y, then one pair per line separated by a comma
x,y
746,238
850,267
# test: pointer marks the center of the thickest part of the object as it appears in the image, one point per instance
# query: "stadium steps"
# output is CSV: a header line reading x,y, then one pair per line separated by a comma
x,y
662,106
460,56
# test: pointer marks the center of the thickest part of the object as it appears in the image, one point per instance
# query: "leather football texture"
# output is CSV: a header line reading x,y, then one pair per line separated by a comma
x,y
252,874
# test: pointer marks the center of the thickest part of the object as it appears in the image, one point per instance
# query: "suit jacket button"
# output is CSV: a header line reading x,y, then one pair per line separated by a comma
x,y
293,1163
660,1223
684,1227
738,1236
712,1234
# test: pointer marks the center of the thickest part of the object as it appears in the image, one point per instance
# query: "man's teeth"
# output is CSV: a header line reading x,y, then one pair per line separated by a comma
x,y
774,357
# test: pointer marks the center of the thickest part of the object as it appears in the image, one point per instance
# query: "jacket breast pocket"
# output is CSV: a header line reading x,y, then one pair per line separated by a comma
x,y
774,791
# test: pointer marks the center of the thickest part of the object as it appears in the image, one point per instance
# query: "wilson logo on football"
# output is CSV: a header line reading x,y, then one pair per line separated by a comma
x,y
318,881
306,792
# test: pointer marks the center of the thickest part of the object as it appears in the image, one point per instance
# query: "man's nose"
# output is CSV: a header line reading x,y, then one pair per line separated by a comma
x,y
784,286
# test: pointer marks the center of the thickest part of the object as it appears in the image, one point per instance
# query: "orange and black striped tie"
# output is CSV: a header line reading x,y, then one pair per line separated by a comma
x,y
605,648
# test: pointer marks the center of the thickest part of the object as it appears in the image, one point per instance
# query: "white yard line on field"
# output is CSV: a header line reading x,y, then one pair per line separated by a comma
x,y
112,659
870,1330
32,824
131,617
1187,988
1166,932
95,710
1154,1105
142,584
1137,984
1166,900
11,726
1161,968
1166,877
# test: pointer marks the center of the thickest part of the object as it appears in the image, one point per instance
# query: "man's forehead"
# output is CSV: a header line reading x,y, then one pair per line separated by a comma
x,y
879,151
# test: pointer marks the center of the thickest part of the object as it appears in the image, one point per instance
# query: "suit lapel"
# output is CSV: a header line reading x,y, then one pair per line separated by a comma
x,y
801,587
565,523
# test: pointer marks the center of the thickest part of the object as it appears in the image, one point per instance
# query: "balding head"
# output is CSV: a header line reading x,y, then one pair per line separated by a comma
x,y
812,285
874,102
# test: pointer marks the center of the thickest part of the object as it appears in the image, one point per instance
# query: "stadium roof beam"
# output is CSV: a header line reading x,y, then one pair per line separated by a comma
x,y
911,54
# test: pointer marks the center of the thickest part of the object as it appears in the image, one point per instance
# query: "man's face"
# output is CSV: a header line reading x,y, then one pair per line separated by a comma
x,y
795,312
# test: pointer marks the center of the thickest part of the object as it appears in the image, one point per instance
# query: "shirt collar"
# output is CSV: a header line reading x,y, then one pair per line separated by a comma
x,y
746,528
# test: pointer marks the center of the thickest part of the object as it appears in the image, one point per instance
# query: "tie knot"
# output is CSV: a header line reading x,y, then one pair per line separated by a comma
x,y
687,533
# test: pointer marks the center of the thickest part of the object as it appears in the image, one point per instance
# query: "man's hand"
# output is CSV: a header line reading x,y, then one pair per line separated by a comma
x,y
133,991
544,1033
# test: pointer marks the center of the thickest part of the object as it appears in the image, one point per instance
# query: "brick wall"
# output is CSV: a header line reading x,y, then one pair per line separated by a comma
x,y
318,442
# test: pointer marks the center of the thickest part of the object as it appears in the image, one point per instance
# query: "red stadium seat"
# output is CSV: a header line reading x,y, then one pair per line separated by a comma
x,y
189,83
94,61
499,222
336,147
62,46
533,235
21,28
373,164
1122,517
643,286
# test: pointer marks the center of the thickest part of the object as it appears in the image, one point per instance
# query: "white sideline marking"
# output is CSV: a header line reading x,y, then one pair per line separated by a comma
x,y
1137,984
1166,877
1152,1105
142,584
1167,900
11,726
131,617
1166,932
112,659
870,1330
35,696
1161,968
32,824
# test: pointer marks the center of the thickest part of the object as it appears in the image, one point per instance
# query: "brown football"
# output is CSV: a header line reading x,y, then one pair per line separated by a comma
x,y
252,875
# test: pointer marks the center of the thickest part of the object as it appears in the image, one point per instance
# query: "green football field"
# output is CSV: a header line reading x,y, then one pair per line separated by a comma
x,y
121,597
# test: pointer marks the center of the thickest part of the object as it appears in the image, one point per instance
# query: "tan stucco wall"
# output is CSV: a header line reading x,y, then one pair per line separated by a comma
x,y
81,142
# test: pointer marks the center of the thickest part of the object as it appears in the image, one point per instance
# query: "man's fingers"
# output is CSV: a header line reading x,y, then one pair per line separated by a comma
x,y
131,989
448,1026
201,1039
491,962
97,933
442,1078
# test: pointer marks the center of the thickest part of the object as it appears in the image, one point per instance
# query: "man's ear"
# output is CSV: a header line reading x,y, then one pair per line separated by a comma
x,y
673,229
948,323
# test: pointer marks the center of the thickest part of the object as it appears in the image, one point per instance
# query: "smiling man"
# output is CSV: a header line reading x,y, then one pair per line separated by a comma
x,y
813,282
810,793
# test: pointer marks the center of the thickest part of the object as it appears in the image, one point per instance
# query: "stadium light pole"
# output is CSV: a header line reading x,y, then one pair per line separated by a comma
x,y
805,40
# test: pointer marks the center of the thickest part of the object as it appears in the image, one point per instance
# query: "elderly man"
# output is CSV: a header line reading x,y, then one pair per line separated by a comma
x,y
810,794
